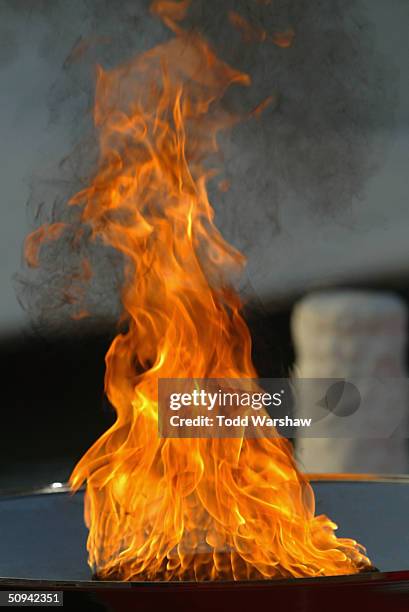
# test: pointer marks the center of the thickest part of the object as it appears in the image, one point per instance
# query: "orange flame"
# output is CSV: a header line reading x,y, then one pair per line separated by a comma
x,y
170,11
284,39
249,32
34,241
253,33
173,509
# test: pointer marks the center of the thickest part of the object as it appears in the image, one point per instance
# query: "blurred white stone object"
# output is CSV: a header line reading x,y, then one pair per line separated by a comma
x,y
353,335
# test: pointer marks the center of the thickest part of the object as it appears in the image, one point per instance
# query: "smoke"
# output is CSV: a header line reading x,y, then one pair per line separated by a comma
x,y
317,144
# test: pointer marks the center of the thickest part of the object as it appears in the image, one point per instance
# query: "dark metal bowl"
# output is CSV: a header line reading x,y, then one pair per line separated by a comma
x,y
43,545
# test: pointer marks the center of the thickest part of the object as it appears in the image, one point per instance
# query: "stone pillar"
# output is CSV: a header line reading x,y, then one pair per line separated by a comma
x,y
353,334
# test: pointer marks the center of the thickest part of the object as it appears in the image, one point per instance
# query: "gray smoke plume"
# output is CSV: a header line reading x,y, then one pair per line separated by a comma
x,y
333,92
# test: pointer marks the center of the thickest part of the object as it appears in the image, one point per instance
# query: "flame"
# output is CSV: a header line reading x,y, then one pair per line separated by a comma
x,y
170,12
249,32
253,33
284,39
174,509
48,231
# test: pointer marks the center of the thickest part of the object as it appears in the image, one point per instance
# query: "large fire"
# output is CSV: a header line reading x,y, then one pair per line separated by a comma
x,y
181,509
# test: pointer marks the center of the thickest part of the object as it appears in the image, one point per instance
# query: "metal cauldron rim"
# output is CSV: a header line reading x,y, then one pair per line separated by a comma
x,y
64,487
